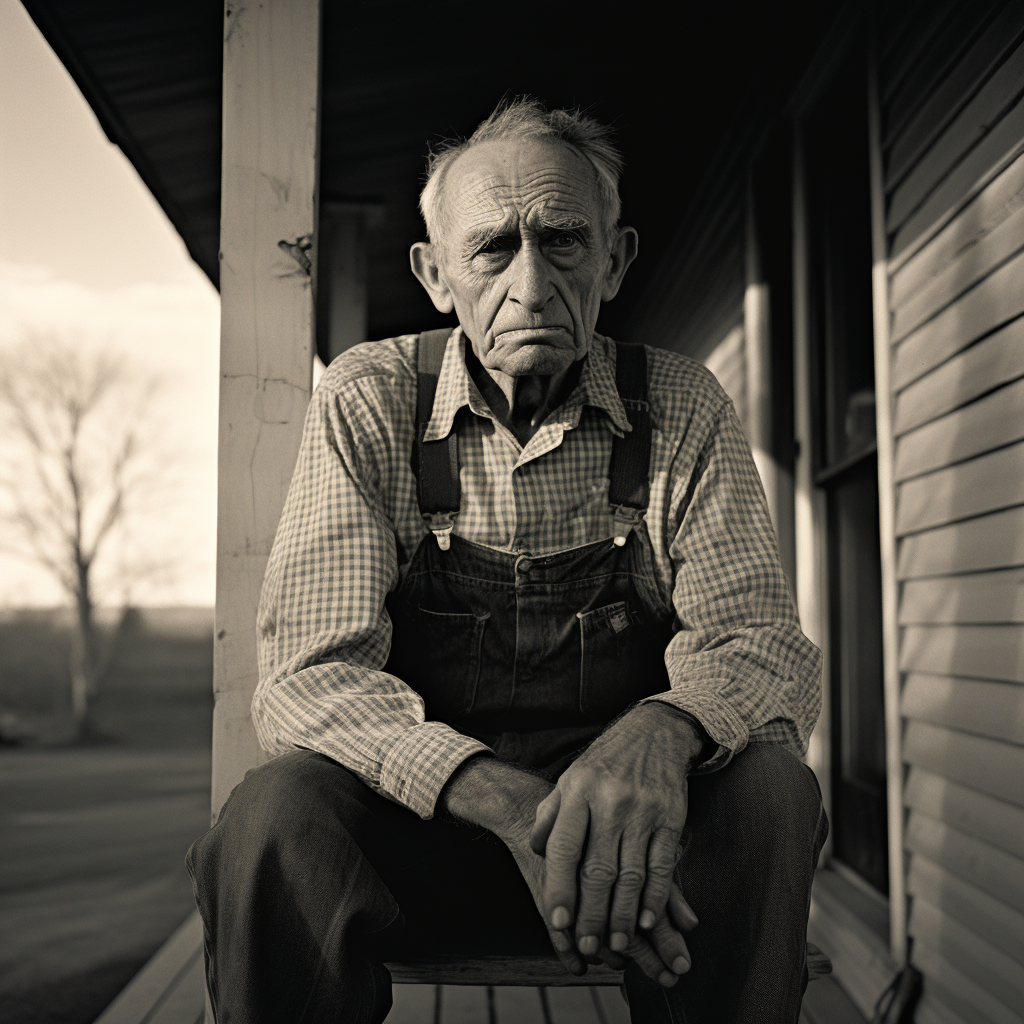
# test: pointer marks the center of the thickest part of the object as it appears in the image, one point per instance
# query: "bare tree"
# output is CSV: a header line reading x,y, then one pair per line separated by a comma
x,y
77,466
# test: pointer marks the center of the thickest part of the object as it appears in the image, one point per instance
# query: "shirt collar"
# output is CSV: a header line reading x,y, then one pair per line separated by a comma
x,y
596,387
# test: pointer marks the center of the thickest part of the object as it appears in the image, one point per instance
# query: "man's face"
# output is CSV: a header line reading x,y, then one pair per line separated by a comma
x,y
524,258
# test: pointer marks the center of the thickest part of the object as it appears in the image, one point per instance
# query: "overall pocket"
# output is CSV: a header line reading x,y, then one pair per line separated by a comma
x,y
438,655
621,661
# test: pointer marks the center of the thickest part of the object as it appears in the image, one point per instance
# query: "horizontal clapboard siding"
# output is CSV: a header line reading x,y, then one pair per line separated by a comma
x,y
954,167
984,484
967,130
947,139
979,651
976,706
917,283
994,541
972,1001
995,872
984,963
992,421
916,51
984,817
985,46
985,235
966,903
992,302
987,765
991,597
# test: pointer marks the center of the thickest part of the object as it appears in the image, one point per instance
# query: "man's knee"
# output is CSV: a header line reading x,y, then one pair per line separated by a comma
x,y
282,806
770,800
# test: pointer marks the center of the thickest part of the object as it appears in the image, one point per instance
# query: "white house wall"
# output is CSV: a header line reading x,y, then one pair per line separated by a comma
x,y
953,133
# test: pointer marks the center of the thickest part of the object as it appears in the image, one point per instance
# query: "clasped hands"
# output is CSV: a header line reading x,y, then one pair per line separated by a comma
x,y
598,850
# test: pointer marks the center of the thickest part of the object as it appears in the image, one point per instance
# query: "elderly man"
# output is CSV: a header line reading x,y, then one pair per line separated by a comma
x,y
528,657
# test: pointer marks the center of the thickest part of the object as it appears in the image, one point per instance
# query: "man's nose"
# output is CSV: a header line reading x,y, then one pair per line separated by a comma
x,y
532,284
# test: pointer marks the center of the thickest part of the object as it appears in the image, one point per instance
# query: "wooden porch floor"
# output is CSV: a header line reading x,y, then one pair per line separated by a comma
x,y
170,990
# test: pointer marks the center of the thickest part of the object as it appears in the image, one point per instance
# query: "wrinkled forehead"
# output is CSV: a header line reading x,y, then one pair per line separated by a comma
x,y
533,180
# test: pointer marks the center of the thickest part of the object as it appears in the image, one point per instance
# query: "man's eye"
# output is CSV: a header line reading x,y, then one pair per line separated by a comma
x,y
498,245
565,240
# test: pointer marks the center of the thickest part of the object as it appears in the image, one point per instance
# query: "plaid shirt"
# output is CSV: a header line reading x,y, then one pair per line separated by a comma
x,y
738,660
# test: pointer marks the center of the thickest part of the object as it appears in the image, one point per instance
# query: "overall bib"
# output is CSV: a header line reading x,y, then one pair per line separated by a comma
x,y
533,654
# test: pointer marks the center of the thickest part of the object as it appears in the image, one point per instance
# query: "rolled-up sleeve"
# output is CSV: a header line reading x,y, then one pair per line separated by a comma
x,y
739,662
324,634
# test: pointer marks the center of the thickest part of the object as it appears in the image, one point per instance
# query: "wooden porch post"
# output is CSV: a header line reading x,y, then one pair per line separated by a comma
x,y
267,274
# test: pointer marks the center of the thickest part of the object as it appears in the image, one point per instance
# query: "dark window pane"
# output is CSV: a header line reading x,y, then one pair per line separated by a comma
x,y
839,225
858,711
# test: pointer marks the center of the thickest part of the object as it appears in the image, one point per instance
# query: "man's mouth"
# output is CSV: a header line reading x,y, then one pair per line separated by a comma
x,y
536,336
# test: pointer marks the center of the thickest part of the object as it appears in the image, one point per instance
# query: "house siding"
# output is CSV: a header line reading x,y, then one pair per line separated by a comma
x,y
951,81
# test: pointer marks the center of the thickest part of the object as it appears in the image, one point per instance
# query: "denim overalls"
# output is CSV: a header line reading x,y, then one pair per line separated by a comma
x,y
531,654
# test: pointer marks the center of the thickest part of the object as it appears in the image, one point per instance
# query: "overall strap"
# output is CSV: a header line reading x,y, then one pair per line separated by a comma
x,y
629,468
436,463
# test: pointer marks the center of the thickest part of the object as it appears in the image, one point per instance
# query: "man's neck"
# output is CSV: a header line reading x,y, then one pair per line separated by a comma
x,y
522,403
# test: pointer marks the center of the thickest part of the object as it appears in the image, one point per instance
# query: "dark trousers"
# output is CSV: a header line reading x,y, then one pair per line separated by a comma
x,y
309,881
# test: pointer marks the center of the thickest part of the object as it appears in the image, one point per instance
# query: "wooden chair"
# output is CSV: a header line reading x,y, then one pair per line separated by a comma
x,y
539,971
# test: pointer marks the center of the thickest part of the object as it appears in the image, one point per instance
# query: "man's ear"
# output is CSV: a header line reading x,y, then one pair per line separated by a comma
x,y
423,257
624,251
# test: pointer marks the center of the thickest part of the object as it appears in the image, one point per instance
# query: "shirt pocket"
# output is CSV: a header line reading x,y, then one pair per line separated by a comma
x,y
439,655
621,661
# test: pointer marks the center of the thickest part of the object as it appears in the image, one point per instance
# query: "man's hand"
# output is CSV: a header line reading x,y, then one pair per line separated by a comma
x,y
613,822
504,799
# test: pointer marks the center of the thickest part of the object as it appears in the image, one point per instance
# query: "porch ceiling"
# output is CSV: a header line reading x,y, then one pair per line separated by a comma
x,y
396,76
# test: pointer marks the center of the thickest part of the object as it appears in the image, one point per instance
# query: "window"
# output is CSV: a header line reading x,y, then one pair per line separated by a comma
x,y
836,172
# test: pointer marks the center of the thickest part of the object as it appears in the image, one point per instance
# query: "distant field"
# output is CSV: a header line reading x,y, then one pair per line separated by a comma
x,y
92,839
159,692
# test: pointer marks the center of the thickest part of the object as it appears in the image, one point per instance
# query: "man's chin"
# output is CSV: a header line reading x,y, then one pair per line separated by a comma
x,y
531,360
518,355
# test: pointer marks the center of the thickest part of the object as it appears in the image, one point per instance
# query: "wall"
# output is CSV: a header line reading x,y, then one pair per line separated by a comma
x,y
951,83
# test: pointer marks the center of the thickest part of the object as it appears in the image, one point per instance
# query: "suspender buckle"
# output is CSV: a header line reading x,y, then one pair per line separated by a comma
x,y
440,525
624,519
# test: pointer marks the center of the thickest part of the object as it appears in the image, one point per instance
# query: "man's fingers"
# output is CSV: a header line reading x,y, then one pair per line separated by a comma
x,y
547,812
671,946
626,895
616,961
679,911
563,946
661,862
562,853
646,957
598,873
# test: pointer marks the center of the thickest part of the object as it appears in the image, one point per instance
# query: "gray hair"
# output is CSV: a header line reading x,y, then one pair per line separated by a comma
x,y
527,118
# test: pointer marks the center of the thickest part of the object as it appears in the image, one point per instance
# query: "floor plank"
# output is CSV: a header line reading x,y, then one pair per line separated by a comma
x,y
572,1006
173,964
825,1002
463,1004
615,1008
184,1004
517,1005
412,1004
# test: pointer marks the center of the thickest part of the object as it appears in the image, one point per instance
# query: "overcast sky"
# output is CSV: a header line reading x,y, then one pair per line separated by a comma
x,y
86,252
